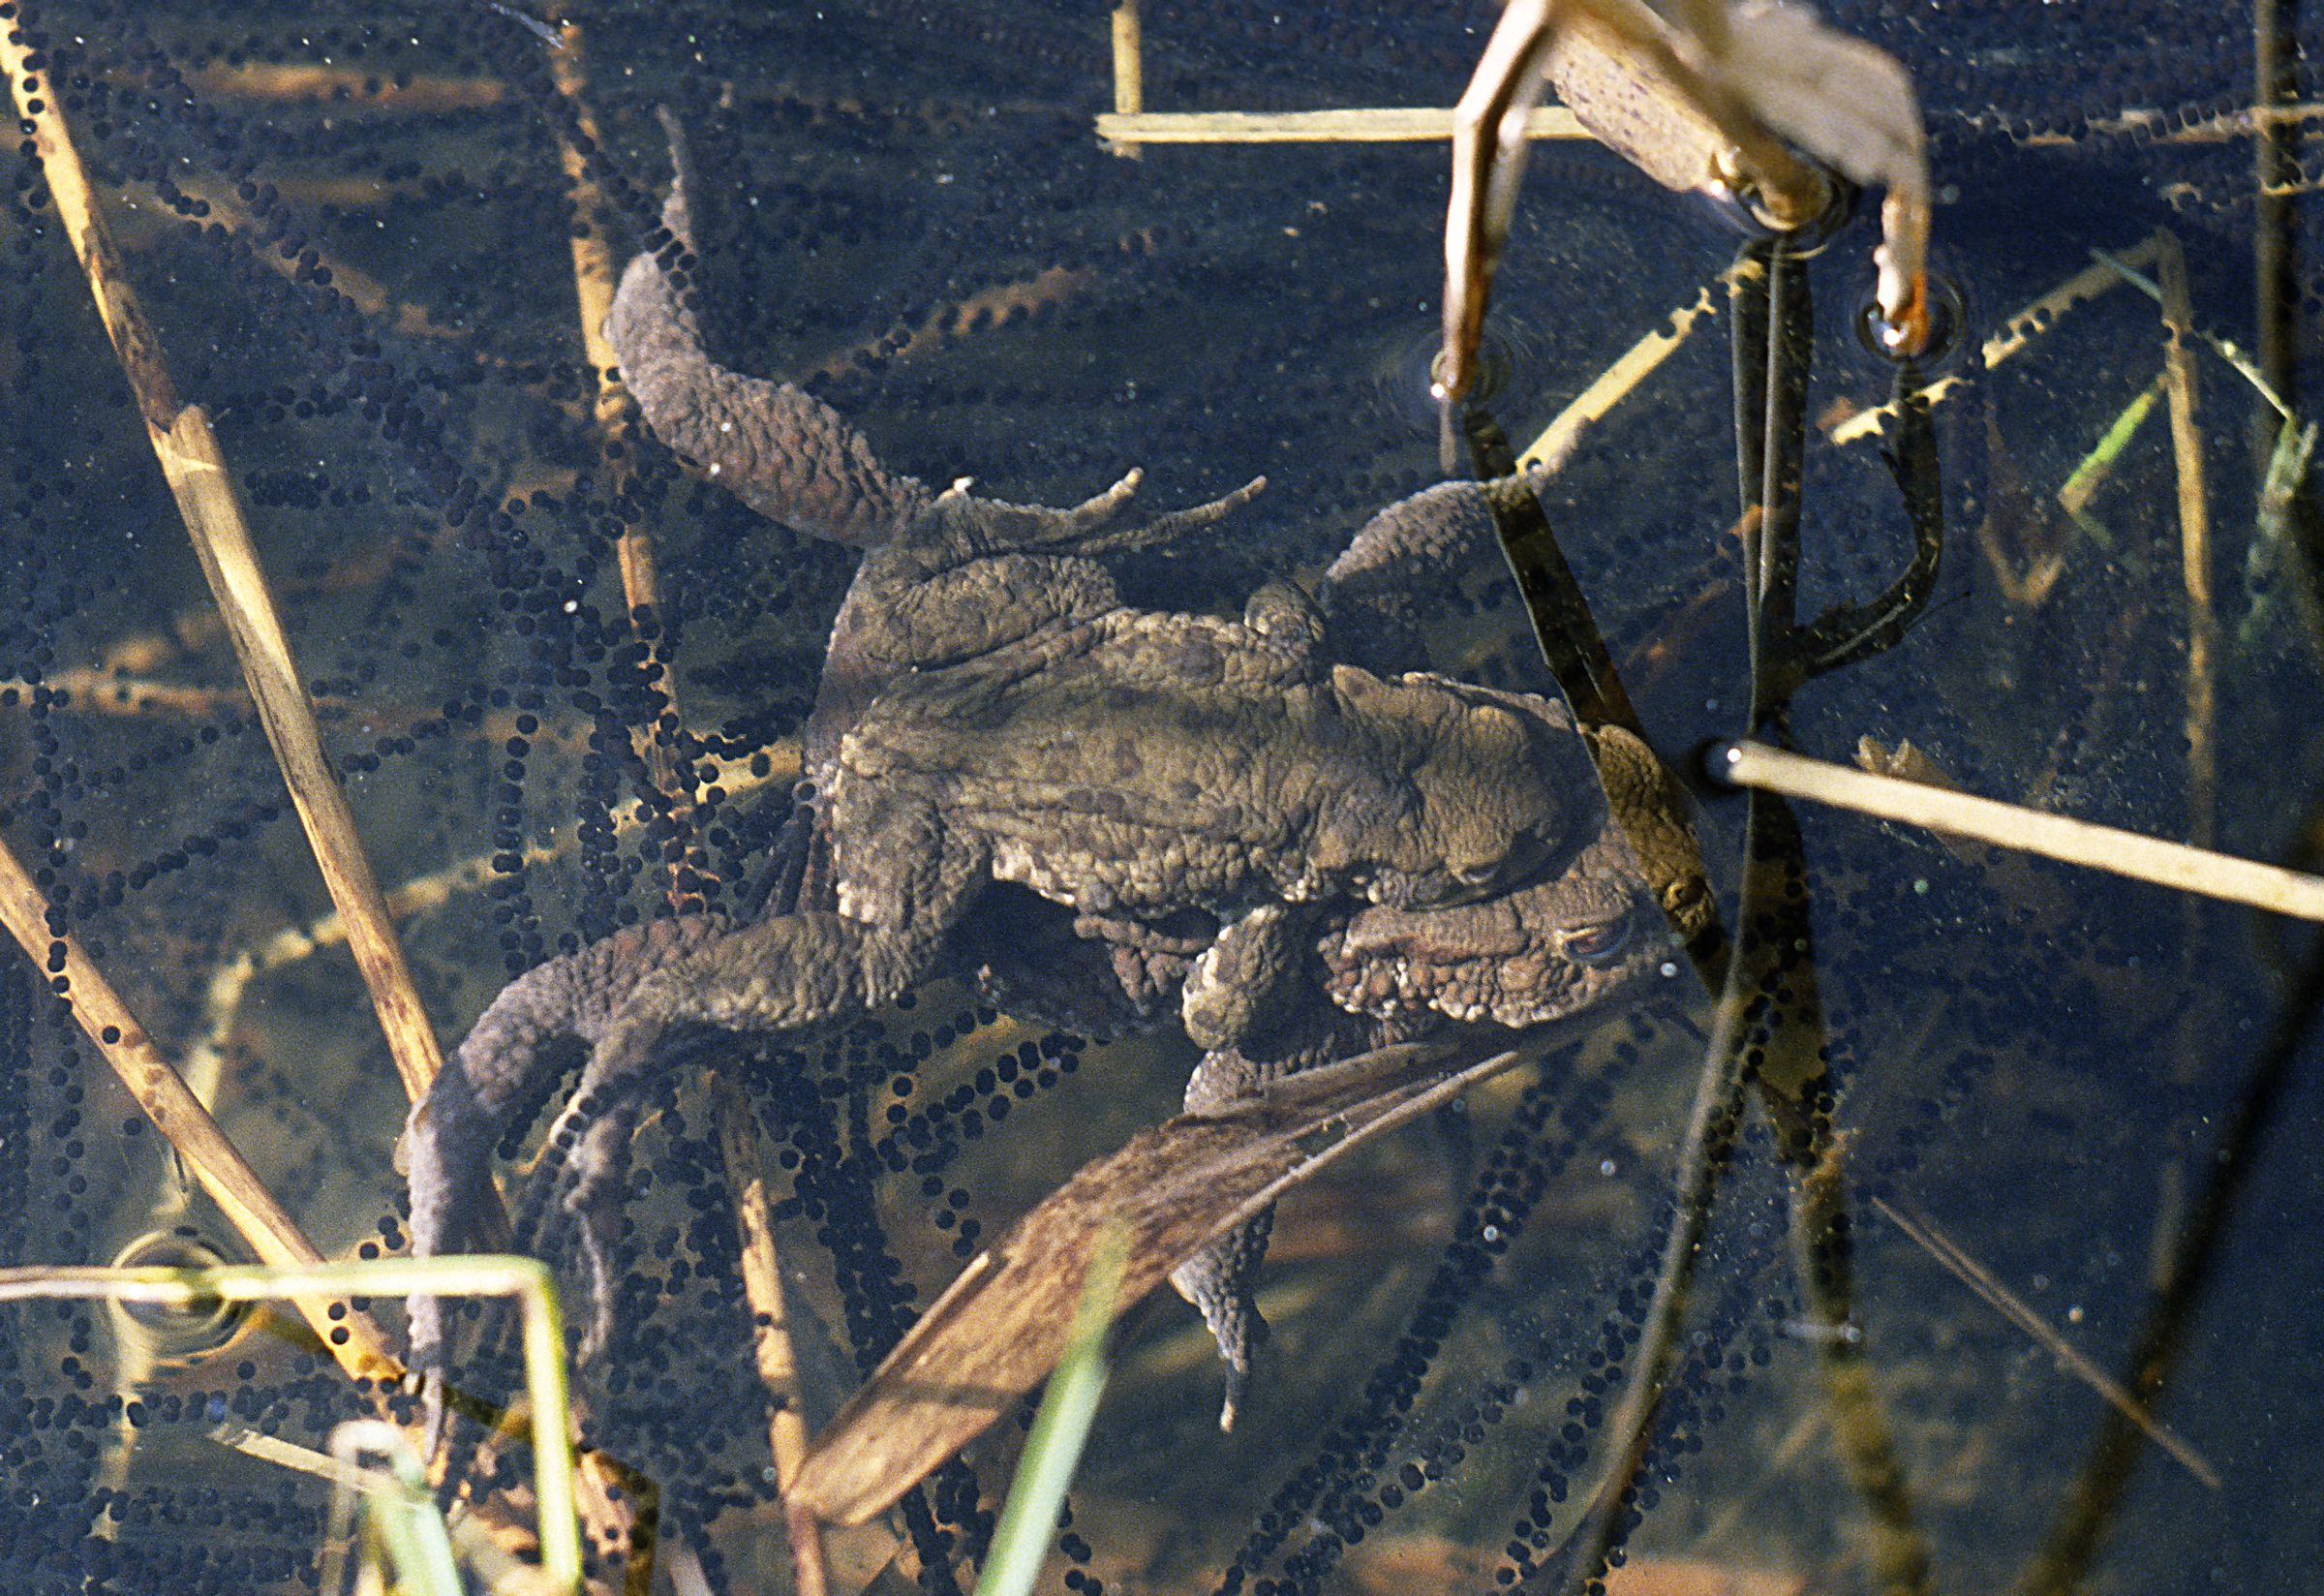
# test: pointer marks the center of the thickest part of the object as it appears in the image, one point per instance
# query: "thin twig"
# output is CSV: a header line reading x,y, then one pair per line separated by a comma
x,y
2125,267
1376,125
1974,1275
2127,853
203,488
2090,1506
2194,544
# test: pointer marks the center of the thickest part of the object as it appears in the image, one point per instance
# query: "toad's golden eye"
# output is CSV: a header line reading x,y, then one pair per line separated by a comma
x,y
1600,944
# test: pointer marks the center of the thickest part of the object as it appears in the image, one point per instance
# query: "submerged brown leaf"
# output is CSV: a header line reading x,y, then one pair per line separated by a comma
x,y
1000,1328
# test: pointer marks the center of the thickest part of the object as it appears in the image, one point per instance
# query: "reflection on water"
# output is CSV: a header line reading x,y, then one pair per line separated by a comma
x,y
357,236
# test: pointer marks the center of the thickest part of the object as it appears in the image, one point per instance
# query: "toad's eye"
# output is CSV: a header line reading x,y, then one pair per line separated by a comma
x,y
1476,875
1600,944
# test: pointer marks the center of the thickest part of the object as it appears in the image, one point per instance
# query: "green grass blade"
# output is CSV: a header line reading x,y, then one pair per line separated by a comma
x,y
1060,1430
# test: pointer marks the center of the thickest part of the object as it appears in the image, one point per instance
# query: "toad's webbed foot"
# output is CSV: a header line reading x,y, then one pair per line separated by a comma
x,y
1219,1281
452,1131
779,974
625,994
1220,1278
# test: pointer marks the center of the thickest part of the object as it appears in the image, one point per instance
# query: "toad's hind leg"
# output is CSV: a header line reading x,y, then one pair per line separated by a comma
x,y
779,974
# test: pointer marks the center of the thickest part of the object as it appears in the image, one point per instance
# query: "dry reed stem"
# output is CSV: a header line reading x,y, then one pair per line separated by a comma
x,y
348,86
2194,542
1129,69
745,1162
1377,125
2225,128
492,1548
1974,1275
231,982
203,488
366,292
2029,322
265,1227
2124,853
1615,384
1050,287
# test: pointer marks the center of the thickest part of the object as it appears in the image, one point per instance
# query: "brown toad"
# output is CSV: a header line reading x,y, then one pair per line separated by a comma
x,y
1092,810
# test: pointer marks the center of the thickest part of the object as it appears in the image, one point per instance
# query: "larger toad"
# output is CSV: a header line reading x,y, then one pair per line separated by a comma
x,y
1100,813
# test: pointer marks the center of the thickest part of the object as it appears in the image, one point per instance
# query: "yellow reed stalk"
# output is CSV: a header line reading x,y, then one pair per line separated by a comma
x,y
2225,128
1129,69
1377,125
203,488
1615,384
365,291
2194,541
2125,853
745,1164
342,87
265,1227
2029,322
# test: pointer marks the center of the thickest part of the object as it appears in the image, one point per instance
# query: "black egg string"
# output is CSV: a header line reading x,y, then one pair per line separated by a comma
x,y
462,507
1523,1160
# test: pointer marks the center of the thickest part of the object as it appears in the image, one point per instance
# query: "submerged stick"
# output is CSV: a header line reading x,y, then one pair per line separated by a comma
x,y
2091,1507
2194,544
1615,384
745,1157
203,488
1957,1262
2127,853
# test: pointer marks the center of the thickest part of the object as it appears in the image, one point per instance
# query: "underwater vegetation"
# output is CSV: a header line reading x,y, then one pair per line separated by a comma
x,y
1995,1226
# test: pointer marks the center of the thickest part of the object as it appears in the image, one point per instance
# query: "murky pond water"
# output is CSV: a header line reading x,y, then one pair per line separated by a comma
x,y
2063,1120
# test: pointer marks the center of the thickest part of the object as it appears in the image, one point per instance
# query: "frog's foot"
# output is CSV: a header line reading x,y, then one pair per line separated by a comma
x,y
1218,1281
978,529
779,974
507,1061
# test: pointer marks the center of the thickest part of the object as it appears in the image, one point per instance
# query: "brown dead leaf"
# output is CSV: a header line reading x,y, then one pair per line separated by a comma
x,y
1000,1328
